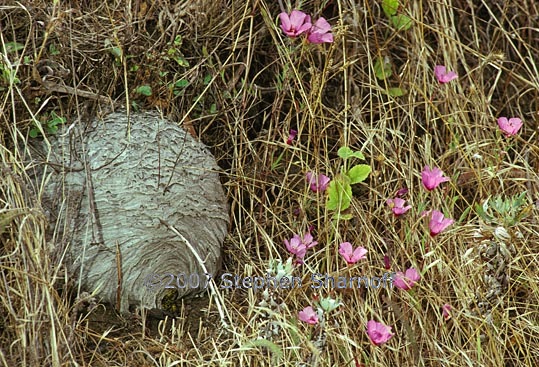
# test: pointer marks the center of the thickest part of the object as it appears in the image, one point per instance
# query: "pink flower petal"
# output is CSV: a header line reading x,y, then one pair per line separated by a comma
x,y
509,127
296,23
397,206
285,22
378,333
320,32
359,254
351,255
446,311
438,223
442,75
432,178
407,280
291,136
317,183
308,315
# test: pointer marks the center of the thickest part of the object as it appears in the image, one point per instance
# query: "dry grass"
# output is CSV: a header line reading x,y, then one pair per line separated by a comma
x,y
248,86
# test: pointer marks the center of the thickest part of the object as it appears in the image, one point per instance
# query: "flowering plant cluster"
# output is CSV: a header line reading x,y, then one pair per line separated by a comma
x,y
508,126
298,246
431,179
297,23
339,195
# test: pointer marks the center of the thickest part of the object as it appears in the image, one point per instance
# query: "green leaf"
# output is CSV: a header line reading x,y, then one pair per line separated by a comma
x,y
34,132
390,7
178,41
53,50
520,200
337,217
178,57
145,90
345,153
14,46
464,214
181,61
207,79
358,173
346,216
55,121
401,22
182,83
213,108
339,194
395,92
382,68
480,210
115,51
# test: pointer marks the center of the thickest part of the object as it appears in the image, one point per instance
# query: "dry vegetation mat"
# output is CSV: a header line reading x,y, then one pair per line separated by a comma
x,y
380,160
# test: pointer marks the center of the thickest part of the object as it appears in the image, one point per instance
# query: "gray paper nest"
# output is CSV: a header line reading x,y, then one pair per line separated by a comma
x,y
114,196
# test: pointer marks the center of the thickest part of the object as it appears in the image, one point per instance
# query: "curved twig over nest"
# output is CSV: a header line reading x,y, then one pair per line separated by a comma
x,y
116,187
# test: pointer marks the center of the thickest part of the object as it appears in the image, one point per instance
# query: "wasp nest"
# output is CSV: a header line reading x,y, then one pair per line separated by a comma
x,y
131,198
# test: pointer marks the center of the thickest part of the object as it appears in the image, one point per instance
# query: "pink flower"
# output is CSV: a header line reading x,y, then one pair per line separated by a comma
x,y
509,127
296,23
308,315
406,281
317,183
397,206
350,255
438,223
431,178
446,308
291,136
296,247
308,240
378,333
442,75
320,32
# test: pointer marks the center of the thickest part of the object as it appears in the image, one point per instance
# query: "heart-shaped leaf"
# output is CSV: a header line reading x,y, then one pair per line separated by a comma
x,y
382,68
339,194
390,7
358,173
345,153
401,22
